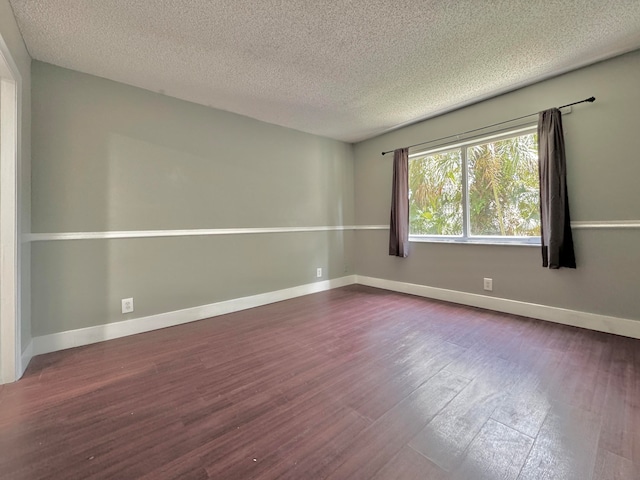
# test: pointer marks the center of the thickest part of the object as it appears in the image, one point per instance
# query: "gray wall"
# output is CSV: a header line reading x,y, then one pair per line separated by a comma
x,y
603,165
13,39
107,157
110,157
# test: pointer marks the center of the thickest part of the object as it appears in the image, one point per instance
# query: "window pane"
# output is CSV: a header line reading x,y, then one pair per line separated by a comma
x,y
504,187
435,194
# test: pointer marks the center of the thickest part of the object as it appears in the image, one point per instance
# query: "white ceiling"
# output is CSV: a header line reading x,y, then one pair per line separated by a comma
x,y
346,69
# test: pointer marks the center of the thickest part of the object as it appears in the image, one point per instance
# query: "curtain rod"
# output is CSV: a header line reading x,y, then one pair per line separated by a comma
x,y
590,100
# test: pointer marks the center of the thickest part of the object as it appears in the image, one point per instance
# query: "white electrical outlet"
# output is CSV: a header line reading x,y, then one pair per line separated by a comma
x,y
488,284
319,272
127,305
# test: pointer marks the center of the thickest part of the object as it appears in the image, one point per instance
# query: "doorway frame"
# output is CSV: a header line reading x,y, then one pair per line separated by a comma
x,y
10,150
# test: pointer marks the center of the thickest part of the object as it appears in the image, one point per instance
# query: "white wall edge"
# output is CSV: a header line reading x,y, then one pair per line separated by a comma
x,y
109,331
27,355
590,321
10,158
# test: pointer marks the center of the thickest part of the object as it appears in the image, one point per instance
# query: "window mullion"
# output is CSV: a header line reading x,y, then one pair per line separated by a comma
x,y
465,193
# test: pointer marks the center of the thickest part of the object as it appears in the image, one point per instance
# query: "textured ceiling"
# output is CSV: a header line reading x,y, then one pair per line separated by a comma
x,y
347,69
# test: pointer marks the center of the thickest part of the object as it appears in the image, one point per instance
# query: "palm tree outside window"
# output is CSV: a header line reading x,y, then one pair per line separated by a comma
x,y
483,190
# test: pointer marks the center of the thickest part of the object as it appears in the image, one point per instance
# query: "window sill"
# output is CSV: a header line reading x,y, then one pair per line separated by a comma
x,y
476,241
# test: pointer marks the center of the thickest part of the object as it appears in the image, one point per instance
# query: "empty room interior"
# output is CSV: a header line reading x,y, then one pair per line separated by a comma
x,y
320,240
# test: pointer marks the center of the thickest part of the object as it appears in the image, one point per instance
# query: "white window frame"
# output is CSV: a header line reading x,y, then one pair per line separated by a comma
x,y
466,220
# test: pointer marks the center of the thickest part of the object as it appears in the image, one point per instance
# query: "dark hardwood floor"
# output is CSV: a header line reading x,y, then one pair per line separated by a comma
x,y
354,383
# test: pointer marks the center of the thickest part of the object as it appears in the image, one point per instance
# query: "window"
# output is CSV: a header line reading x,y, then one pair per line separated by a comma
x,y
484,190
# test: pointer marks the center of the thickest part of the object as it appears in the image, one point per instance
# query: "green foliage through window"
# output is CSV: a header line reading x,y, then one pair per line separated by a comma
x,y
435,194
502,189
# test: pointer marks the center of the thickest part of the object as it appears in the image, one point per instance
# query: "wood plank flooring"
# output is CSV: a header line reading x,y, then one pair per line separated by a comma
x,y
354,383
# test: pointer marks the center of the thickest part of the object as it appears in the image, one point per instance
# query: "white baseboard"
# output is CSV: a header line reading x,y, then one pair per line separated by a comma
x,y
86,336
26,357
591,321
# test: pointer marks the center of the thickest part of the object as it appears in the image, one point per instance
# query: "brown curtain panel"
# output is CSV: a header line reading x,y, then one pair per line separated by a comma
x,y
399,227
555,222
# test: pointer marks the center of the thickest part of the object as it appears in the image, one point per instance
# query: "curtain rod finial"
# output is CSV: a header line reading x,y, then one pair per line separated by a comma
x,y
591,99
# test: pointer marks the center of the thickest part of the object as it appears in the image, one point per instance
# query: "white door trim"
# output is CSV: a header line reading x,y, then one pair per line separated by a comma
x,y
10,134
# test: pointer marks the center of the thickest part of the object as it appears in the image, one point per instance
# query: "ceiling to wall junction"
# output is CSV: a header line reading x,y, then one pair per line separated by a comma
x,y
348,70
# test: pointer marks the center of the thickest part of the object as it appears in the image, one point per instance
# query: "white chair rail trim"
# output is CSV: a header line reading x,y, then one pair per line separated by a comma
x,y
40,237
